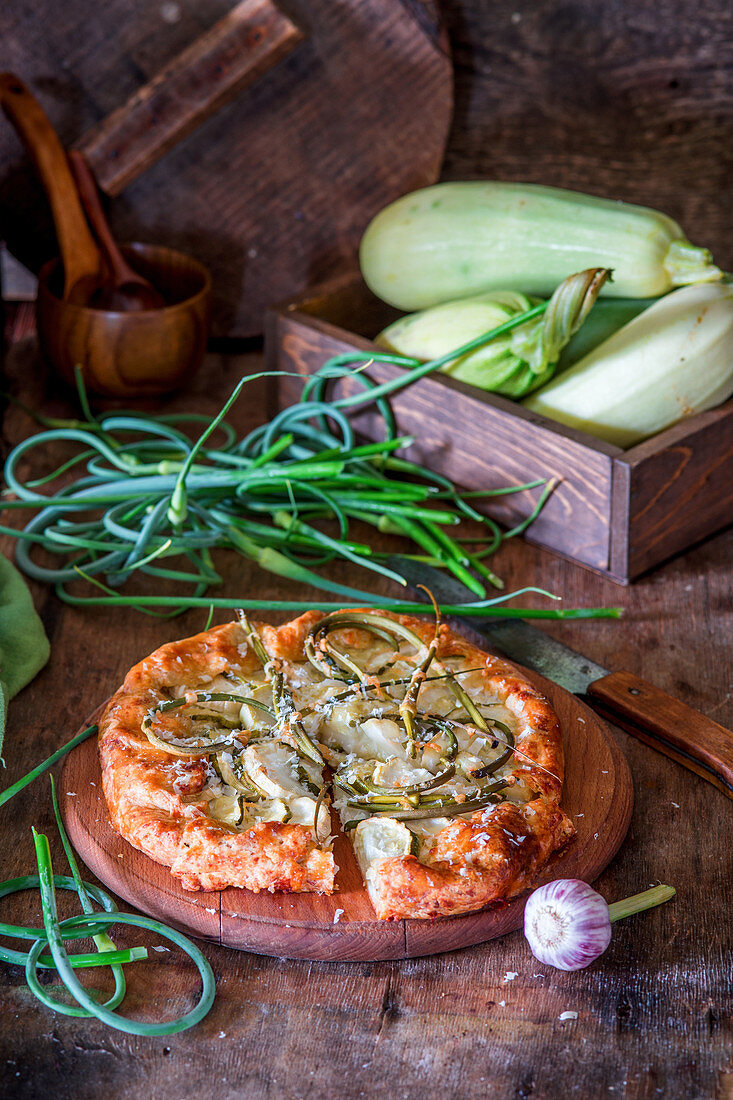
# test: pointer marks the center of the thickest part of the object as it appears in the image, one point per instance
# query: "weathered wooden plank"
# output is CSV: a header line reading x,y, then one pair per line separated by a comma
x,y
618,563
681,487
233,54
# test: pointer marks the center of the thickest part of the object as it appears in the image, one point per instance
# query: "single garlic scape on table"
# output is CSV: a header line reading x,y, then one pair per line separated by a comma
x,y
568,924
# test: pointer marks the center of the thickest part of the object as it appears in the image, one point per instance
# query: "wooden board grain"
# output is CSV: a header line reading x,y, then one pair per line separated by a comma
x,y
342,927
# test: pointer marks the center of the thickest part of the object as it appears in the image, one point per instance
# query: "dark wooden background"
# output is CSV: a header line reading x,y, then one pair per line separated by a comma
x,y
632,99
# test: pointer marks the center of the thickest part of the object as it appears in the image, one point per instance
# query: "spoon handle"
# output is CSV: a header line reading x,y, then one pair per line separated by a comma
x,y
79,253
91,203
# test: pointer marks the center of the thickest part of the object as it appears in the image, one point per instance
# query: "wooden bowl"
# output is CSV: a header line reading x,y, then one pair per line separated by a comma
x,y
130,354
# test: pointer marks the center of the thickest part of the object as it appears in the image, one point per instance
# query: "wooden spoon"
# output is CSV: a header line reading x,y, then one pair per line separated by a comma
x,y
125,290
81,258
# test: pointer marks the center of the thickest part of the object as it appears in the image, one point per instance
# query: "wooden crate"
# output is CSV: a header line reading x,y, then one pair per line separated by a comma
x,y
617,512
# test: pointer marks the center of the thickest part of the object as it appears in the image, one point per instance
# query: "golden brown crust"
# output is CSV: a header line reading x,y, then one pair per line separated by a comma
x,y
270,856
151,795
473,863
147,790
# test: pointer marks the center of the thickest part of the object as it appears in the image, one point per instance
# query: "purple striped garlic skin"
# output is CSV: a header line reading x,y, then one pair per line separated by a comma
x,y
567,924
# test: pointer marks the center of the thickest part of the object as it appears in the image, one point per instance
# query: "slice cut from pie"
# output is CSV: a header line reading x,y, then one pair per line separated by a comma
x,y
221,752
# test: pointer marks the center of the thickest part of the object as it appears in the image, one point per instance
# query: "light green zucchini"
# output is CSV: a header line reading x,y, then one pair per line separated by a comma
x,y
674,360
454,240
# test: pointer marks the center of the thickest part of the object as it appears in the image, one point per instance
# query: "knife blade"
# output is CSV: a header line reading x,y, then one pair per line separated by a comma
x,y
643,710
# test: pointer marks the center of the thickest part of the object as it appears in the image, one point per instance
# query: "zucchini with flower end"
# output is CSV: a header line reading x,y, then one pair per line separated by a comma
x,y
607,317
674,360
454,240
513,364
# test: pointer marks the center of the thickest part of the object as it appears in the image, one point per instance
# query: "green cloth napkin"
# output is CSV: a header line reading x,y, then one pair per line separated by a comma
x,y
24,647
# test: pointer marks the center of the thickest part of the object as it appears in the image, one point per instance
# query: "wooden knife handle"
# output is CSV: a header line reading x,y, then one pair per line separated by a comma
x,y
671,727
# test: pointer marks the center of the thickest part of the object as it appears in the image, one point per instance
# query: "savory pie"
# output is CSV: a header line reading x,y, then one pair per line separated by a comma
x,y
221,754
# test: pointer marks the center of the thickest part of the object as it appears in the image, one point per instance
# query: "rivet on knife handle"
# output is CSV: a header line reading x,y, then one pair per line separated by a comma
x,y
671,727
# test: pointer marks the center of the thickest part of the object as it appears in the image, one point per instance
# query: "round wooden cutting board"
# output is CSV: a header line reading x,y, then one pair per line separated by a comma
x,y
597,795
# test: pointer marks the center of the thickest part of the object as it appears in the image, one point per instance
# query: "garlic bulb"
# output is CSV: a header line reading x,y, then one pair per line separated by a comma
x,y
568,925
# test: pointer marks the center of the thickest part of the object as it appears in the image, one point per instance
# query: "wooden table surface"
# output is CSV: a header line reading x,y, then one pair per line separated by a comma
x,y
631,100
653,1014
